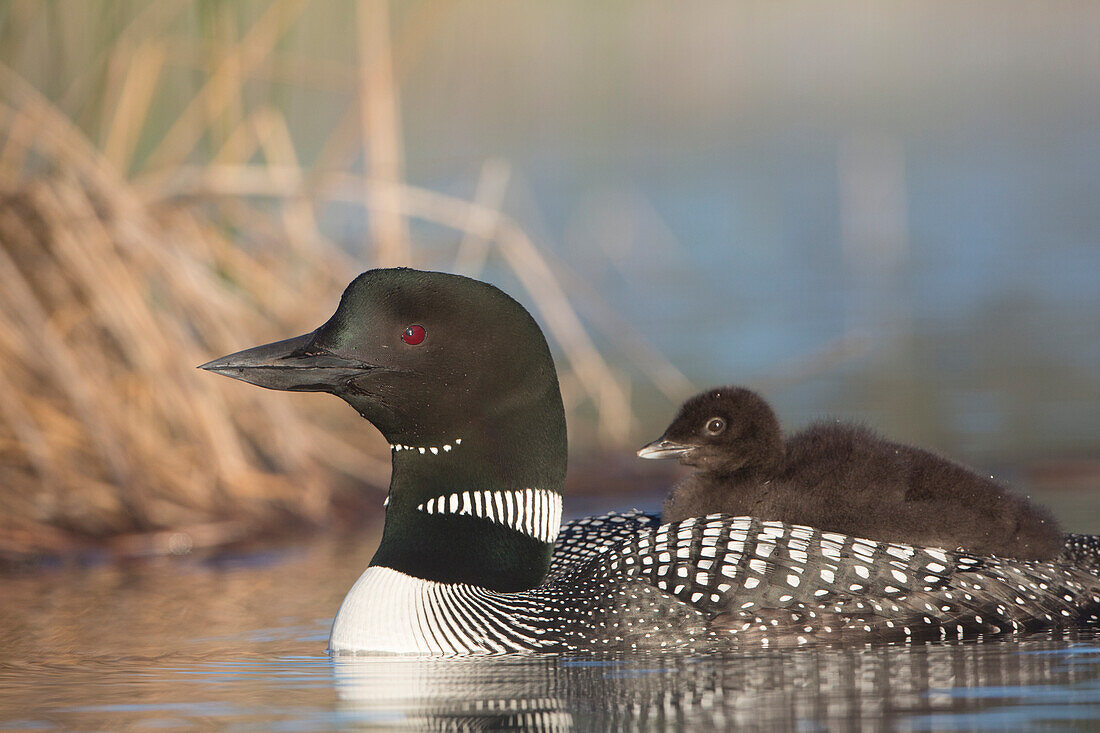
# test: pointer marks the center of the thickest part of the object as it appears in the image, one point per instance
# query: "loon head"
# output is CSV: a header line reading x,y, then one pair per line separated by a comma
x,y
459,379
725,430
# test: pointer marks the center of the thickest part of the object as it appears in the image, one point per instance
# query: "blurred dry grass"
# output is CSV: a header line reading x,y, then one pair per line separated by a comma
x,y
134,247
108,303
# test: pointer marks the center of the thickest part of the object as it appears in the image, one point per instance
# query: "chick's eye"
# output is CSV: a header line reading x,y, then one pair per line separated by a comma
x,y
716,425
413,335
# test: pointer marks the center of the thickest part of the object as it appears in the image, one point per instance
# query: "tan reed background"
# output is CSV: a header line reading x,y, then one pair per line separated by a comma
x,y
156,211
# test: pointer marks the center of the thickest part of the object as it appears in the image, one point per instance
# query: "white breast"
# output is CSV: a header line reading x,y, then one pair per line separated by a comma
x,y
389,611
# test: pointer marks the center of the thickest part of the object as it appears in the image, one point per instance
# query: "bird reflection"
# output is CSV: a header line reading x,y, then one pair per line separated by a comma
x,y
810,688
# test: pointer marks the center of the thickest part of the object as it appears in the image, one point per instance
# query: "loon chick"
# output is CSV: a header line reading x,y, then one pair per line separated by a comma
x,y
841,477
459,379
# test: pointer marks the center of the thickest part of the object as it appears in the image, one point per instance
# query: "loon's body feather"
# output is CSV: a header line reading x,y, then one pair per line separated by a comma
x,y
459,379
626,582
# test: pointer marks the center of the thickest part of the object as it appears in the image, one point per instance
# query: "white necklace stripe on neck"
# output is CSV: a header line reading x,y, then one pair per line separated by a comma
x,y
435,450
532,519
535,512
532,516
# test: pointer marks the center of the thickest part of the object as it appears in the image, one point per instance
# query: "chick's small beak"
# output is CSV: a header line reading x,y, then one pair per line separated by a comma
x,y
664,448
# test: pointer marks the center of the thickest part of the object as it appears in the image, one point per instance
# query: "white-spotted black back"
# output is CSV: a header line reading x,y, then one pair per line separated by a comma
x,y
722,580
581,539
1082,550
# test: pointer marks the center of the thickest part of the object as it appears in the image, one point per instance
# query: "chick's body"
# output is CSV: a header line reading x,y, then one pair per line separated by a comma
x,y
844,478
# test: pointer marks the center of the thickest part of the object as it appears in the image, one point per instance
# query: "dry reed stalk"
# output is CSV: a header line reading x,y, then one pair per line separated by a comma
x,y
18,142
55,136
21,15
473,250
147,23
27,433
221,46
380,125
283,67
608,391
342,142
223,85
266,130
61,364
299,218
134,99
241,143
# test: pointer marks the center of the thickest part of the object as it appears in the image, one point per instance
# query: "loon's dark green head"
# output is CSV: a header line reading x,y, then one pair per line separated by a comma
x,y
459,379
726,430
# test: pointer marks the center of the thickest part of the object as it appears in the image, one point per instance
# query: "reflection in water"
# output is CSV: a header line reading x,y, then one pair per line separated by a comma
x,y
908,687
240,645
449,694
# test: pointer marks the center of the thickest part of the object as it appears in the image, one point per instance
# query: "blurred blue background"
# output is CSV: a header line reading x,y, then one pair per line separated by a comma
x,y
912,188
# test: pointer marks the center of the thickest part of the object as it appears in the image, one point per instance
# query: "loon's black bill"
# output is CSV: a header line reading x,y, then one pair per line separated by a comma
x,y
293,365
662,448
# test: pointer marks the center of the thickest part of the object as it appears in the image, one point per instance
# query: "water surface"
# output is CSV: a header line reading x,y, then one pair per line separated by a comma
x,y
238,643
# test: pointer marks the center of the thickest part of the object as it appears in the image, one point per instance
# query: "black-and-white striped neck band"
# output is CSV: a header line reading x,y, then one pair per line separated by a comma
x,y
535,512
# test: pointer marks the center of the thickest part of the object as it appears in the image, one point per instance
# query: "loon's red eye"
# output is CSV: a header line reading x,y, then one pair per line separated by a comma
x,y
413,335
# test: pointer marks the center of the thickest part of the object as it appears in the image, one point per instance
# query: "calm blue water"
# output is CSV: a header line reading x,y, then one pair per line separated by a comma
x,y
239,646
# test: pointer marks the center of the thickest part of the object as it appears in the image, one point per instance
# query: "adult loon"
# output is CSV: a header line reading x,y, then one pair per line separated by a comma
x,y
840,477
459,379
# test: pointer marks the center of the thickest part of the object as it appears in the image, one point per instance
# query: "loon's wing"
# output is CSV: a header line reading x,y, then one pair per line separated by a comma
x,y
581,539
738,579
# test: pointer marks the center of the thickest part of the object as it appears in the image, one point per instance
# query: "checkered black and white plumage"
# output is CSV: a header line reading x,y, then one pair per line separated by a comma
x,y
720,580
624,581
